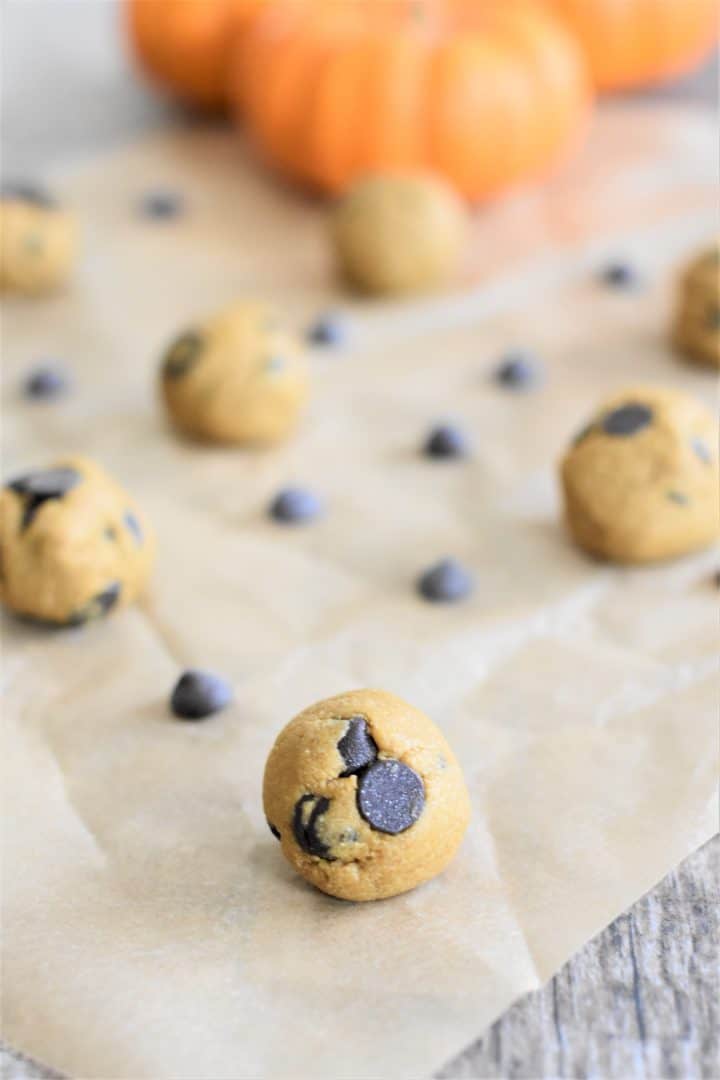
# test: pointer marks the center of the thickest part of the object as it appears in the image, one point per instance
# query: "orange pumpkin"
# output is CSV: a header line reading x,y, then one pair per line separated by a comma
x,y
634,42
186,44
487,94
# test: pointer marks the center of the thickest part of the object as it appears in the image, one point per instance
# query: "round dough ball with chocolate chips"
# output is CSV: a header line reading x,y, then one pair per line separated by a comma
x,y
37,241
238,378
365,796
73,544
399,234
641,480
696,331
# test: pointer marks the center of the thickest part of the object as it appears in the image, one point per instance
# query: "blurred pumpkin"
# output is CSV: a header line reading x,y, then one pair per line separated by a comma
x,y
485,94
186,45
635,42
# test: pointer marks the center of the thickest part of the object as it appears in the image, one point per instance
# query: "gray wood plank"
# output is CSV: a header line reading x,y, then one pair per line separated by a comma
x,y
639,1001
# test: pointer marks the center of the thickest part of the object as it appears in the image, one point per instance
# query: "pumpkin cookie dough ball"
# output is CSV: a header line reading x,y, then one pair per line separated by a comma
x,y
399,234
365,796
73,544
37,241
696,331
641,480
238,378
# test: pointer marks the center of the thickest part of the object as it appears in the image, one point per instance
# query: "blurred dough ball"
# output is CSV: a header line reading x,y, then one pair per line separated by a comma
x,y
239,377
641,479
37,241
696,330
399,234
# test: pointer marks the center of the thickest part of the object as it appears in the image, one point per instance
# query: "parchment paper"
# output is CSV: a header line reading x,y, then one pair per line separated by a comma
x,y
152,928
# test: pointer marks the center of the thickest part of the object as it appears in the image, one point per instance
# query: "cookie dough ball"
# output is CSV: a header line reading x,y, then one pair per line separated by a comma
x,y
399,234
641,480
73,544
37,241
365,796
238,378
696,331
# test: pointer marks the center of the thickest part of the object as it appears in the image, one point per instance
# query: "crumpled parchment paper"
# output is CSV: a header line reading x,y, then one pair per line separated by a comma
x,y
151,926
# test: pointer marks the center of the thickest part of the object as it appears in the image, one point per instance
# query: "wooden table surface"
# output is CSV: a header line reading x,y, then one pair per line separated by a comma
x,y
639,1001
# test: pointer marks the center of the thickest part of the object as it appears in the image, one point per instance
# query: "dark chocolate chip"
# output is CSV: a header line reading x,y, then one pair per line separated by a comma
x,y
328,329
133,526
713,319
161,205
111,533
308,809
390,796
446,441
716,579
518,370
38,487
100,605
445,582
295,506
701,449
357,746
27,193
274,831
46,383
198,694
628,419
619,275
182,354
677,497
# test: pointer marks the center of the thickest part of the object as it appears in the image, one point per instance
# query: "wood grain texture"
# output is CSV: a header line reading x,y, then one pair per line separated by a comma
x,y
639,1002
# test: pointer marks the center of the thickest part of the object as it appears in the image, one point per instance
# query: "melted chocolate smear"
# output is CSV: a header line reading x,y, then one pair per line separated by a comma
x,y
308,809
99,605
38,487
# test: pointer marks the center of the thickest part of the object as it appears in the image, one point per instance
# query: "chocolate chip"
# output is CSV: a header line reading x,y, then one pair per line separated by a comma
x,y
198,694
295,506
46,383
619,275
274,831
701,449
161,205
627,420
38,487
182,354
329,329
357,746
27,193
133,526
518,371
446,441
713,319
111,533
390,796
716,579
445,582
308,809
677,497
97,607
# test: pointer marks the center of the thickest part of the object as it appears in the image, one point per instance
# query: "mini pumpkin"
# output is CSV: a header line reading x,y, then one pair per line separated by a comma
x,y
485,94
186,44
636,42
